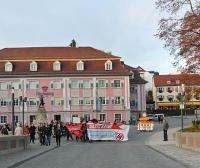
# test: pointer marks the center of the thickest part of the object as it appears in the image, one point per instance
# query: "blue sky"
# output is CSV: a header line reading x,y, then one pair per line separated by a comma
x,y
124,27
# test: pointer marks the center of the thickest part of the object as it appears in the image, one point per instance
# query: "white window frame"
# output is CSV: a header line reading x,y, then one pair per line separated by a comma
x,y
57,84
120,117
3,86
80,66
108,65
56,66
116,84
3,119
33,86
33,66
74,101
86,84
86,100
16,119
74,84
32,101
102,114
86,117
102,83
3,103
8,67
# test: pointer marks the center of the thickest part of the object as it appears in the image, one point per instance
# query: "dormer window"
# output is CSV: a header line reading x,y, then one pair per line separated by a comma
x,y
80,66
33,66
168,82
56,66
8,67
108,65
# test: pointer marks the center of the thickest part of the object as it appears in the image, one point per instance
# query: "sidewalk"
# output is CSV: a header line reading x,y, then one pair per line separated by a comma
x,y
186,157
15,158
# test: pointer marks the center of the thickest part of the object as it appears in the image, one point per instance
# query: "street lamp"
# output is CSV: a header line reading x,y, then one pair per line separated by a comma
x,y
13,113
181,96
22,100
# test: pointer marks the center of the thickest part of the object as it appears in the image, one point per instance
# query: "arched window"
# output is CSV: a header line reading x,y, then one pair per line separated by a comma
x,y
8,67
33,66
56,66
80,66
108,65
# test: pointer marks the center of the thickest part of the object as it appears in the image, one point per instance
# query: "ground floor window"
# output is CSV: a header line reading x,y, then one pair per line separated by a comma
x,y
3,119
32,118
57,117
87,117
118,117
16,119
102,117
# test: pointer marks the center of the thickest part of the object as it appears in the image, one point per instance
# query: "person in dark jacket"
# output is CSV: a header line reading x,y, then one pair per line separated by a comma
x,y
4,130
32,133
84,131
165,128
48,133
58,132
41,132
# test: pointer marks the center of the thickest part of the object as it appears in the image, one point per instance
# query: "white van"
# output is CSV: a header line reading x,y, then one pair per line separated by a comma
x,y
156,116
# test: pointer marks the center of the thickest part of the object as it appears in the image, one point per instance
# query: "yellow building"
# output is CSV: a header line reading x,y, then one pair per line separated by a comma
x,y
166,90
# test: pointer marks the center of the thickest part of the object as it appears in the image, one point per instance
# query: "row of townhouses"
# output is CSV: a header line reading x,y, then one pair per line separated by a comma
x,y
72,81
167,89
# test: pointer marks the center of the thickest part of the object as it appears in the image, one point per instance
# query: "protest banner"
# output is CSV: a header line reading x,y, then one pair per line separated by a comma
x,y
107,131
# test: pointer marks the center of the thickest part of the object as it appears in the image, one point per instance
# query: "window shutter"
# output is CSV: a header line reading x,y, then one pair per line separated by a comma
x,y
97,84
107,100
113,101
27,86
107,84
37,85
112,83
122,83
52,102
9,86
62,102
69,85
70,102
28,103
122,98
92,101
91,85
80,85
51,85
20,86
9,103
62,85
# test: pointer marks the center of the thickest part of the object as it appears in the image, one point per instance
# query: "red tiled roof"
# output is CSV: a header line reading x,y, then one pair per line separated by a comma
x,y
38,53
94,61
189,79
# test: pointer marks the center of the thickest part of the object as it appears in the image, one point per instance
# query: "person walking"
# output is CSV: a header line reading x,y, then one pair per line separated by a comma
x,y
18,130
32,133
165,128
48,133
58,134
4,130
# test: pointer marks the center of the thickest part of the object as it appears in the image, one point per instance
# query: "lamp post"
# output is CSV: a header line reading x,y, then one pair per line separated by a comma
x,y
181,98
13,113
22,100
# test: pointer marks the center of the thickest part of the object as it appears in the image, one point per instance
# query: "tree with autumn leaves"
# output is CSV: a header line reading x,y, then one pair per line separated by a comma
x,y
180,30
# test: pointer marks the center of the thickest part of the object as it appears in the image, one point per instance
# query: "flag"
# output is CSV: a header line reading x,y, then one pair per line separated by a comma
x,y
98,103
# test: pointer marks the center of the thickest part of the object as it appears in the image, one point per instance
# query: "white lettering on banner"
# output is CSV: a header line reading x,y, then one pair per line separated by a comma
x,y
99,126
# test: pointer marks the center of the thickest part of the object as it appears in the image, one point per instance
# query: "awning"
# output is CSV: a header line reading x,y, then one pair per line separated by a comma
x,y
178,104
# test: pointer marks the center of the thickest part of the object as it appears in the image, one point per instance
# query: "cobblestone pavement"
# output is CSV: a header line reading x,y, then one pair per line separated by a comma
x,y
187,157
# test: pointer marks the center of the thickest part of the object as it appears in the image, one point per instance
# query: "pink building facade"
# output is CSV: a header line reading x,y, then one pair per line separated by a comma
x,y
78,78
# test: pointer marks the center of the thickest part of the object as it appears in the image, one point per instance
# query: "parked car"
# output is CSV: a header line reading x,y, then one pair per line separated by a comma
x,y
156,116
151,116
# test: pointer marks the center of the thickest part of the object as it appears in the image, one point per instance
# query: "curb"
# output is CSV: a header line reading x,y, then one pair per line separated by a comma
x,y
30,158
169,157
